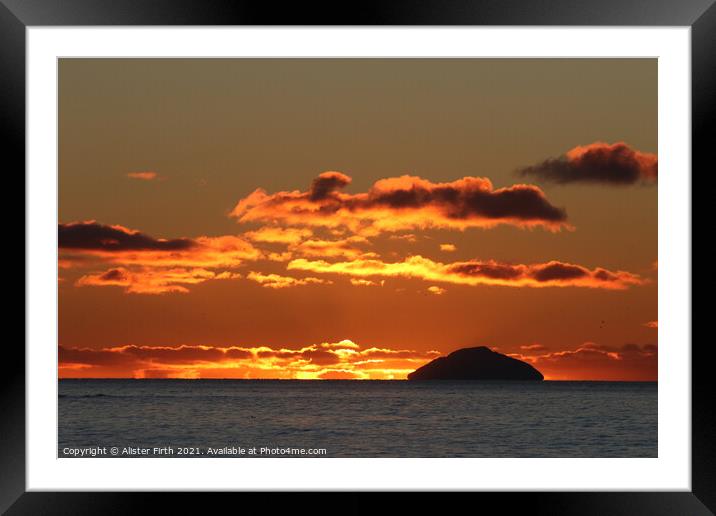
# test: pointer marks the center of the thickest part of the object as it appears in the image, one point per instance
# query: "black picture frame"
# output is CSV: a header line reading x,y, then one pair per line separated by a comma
x,y
17,15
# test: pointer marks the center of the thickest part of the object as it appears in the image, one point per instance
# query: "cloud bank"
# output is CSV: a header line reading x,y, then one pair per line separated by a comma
x,y
594,361
476,272
344,359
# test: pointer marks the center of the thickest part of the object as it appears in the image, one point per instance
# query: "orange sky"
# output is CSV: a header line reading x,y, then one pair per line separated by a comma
x,y
356,218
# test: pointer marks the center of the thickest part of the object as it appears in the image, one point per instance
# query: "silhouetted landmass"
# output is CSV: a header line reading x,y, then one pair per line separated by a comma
x,y
479,363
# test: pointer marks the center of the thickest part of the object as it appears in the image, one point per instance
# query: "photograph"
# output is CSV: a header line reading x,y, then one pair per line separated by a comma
x,y
357,257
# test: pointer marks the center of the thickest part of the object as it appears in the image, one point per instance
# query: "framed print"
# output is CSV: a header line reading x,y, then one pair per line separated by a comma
x,y
434,250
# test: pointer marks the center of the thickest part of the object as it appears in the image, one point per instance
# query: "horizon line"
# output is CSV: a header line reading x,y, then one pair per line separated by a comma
x,y
348,380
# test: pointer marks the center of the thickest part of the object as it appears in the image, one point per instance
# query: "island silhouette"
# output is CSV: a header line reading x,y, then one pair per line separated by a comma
x,y
479,363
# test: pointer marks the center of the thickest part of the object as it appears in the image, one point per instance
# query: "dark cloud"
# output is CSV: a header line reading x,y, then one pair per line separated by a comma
x,y
100,237
615,164
614,355
487,269
594,361
556,271
90,357
463,199
401,203
321,357
237,353
179,355
326,183
553,271
284,355
113,275
146,265
604,275
133,355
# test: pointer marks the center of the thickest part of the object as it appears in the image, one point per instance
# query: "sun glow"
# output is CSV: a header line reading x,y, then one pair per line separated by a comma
x,y
329,360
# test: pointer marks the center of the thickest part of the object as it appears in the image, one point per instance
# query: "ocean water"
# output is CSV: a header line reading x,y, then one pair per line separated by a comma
x,y
265,418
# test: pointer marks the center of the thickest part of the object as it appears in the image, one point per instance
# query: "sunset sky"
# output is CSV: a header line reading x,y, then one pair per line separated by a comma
x,y
356,218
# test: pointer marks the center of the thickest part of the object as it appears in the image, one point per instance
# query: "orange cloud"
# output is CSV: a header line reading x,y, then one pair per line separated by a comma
x,y
343,248
402,203
365,283
148,265
151,281
276,281
408,237
143,176
344,359
533,347
277,235
438,291
475,272
599,162
448,248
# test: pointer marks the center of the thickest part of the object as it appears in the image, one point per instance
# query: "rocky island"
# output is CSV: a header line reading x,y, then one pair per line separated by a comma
x,y
480,363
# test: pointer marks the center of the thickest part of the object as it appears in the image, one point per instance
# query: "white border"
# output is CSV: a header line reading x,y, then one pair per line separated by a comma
x,y
670,471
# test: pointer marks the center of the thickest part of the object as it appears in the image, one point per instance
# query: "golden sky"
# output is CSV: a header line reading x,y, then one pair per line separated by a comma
x,y
356,218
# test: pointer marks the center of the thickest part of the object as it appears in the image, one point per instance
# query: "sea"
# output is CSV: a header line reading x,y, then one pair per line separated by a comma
x,y
343,418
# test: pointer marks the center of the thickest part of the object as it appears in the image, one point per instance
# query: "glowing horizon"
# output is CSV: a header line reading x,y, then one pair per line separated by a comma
x,y
247,218
344,360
